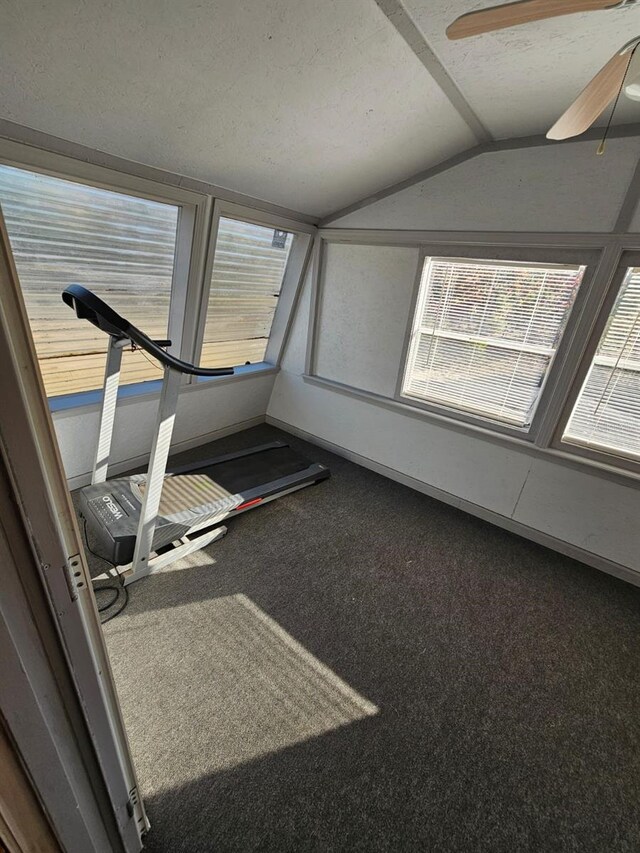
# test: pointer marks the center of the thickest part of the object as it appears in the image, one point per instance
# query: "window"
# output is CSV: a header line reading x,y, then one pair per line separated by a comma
x,y
248,270
606,415
119,246
485,334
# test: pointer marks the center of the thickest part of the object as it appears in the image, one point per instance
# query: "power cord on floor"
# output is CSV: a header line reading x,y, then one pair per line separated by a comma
x,y
114,585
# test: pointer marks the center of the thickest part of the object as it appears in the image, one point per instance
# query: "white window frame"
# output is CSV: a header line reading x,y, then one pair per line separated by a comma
x,y
519,255
190,254
624,260
294,273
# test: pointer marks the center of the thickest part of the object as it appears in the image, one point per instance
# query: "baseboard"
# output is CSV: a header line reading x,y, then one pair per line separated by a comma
x,y
538,536
124,465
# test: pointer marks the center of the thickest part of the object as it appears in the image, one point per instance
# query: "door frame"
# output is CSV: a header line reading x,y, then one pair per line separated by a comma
x,y
62,710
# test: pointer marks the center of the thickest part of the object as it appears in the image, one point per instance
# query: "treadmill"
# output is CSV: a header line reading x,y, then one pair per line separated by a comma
x,y
147,521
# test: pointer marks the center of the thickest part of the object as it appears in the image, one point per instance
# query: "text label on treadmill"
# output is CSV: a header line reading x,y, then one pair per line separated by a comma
x,y
112,507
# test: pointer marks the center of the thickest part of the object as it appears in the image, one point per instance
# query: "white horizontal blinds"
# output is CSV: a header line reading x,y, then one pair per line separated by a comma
x,y
485,333
248,269
606,415
119,246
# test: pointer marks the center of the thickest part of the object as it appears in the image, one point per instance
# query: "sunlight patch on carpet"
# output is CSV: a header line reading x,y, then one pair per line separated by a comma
x,y
213,684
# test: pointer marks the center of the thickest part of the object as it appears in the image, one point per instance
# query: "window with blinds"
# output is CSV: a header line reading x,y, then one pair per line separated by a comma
x,y
485,333
606,415
119,246
248,270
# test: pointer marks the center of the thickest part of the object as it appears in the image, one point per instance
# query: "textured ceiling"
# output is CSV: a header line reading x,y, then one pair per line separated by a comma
x,y
310,104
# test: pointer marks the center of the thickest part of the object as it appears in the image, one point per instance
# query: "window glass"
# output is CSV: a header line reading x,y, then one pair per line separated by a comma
x,y
606,415
119,246
248,270
485,333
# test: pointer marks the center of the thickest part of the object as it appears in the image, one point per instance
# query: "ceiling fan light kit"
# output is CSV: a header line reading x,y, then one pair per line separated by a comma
x,y
632,80
620,75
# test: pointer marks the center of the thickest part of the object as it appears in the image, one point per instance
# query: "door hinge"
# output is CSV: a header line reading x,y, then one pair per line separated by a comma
x,y
74,575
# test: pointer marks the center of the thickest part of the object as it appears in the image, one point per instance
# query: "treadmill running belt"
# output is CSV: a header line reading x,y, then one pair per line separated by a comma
x,y
249,472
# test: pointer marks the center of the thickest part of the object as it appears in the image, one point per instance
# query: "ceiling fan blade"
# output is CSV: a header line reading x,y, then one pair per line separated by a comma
x,y
522,12
593,99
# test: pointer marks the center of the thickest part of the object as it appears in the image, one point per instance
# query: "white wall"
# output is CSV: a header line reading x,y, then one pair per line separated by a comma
x,y
575,507
555,187
204,413
365,298
360,285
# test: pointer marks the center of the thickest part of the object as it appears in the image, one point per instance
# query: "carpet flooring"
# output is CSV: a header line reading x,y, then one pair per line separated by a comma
x,y
358,667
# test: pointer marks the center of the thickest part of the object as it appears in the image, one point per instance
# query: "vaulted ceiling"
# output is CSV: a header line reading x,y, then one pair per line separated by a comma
x,y
310,104
520,80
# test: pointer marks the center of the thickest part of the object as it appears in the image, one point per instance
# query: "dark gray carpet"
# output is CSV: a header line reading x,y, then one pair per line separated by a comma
x,y
506,679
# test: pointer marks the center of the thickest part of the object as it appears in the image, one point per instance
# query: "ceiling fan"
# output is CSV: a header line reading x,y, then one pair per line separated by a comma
x,y
620,74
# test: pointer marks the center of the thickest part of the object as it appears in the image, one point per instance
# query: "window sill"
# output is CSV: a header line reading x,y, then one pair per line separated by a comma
x,y
466,417
550,454
602,457
89,400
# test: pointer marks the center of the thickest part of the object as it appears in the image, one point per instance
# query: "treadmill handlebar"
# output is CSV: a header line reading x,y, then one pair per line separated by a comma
x,y
90,307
